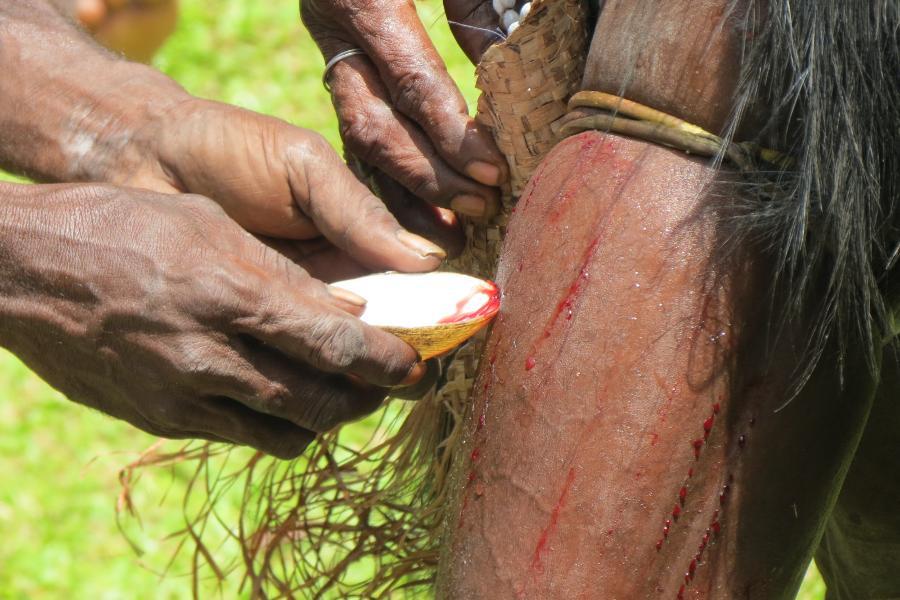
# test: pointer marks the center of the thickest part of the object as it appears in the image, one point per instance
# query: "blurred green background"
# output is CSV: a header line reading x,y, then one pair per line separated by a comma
x,y
59,461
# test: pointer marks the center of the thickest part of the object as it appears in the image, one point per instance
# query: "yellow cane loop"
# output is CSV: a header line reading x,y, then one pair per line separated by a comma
x,y
592,110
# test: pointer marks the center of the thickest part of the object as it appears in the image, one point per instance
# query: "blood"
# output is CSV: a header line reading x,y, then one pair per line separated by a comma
x,y
682,494
488,309
707,426
716,408
529,363
568,300
716,527
476,454
676,511
540,547
697,444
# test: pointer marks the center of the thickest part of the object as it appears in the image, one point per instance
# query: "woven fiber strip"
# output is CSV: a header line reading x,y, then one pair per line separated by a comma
x,y
526,82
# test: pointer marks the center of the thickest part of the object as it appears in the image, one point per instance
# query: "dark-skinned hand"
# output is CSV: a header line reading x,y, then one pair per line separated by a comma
x,y
162,311
398,108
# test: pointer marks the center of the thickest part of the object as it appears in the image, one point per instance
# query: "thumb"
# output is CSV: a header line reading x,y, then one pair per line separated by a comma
x,y
349,215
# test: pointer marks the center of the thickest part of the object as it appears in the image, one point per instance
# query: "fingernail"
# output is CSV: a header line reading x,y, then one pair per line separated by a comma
x,y
467,204
417,373
484,172
420,245
346,295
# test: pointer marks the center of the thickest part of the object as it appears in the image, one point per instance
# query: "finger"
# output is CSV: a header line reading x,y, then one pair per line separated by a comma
x,y
277,386
436,224
320,258
380,136
474,24
222,420
230,420
267,381
326,337
420,86
349,215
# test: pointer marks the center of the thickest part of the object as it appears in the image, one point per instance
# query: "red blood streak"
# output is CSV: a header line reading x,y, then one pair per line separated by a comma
x,y
682,494
568,300
529,363
486,310
680,595
716,408
707,426
676,512
654,437
481,420
659,545
540,547
692,567
716,527
697,444
471,477
691,472
476,454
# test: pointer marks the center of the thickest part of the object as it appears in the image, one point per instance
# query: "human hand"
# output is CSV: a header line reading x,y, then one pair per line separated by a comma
x,y
164,312
398,108
274,179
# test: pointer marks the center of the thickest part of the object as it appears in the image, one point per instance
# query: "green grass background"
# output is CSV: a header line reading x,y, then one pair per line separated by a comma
x,y
58,461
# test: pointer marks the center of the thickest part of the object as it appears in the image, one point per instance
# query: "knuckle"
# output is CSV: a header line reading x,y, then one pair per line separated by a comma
x,y
327,411
364,134
340,404
414,92
336,344
273,398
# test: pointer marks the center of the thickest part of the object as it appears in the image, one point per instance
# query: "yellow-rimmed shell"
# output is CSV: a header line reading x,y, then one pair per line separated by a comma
x,y
432,312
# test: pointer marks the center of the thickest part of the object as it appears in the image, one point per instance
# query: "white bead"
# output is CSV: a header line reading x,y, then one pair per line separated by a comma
x,y
526,8
510,17
499,8
508,4
512,28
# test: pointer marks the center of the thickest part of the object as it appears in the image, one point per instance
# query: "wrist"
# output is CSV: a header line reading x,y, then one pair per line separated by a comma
x,y
75,112
114,135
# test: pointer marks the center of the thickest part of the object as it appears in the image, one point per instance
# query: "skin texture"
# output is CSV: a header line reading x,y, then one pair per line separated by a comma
x,y
399,111
670,464
231,339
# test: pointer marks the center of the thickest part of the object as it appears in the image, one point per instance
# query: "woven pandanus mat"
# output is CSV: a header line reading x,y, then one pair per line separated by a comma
x,y
525,82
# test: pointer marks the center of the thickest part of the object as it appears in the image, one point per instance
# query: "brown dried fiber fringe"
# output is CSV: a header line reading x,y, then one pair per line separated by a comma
x,y
362,519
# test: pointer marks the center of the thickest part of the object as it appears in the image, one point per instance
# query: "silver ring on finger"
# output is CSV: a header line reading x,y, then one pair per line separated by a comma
x,y
335,60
